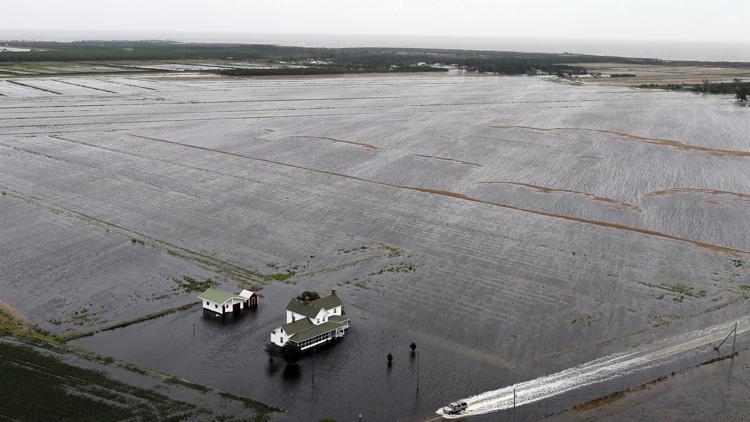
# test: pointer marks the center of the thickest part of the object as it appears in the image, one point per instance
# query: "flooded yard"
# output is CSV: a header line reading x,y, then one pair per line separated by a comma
x,y
511,226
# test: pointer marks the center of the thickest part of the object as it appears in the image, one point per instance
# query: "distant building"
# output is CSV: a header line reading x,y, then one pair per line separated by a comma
x,y
309,323
221,303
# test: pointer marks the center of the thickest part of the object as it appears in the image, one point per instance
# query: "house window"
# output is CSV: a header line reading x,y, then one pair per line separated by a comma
x,y
216,306
206,303
294,318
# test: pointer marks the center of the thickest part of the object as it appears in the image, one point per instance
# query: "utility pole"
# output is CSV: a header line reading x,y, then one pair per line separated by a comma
x,y
313,376
732,334
514,404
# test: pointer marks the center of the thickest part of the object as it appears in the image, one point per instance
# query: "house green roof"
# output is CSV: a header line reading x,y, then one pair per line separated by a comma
x,y
216,296
315,330
299,307
297,326
311,310
338,318
328,302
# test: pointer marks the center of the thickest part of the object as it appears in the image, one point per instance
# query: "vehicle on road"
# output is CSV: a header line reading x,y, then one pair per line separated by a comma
x,y
455,408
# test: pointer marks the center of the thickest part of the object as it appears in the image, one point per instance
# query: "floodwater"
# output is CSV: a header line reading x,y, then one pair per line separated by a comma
x,y
351,377
513,227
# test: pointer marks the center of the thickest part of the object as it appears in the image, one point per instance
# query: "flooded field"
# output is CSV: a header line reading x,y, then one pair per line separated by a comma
x,y
512,227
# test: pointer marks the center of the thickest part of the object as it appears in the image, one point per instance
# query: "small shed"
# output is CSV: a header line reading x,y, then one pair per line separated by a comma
x,y
221,303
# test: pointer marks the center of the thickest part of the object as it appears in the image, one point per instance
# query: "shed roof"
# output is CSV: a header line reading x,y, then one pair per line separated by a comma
x,y
216,296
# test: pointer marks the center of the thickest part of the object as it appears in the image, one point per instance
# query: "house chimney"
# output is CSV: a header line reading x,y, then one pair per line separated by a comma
x,y
307,300
333,292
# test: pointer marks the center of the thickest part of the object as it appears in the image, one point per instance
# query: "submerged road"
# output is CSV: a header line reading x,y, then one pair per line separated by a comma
x,y
597,371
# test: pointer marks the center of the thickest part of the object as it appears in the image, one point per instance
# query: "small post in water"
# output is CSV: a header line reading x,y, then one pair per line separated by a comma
x,y
514,404
734,339
417,371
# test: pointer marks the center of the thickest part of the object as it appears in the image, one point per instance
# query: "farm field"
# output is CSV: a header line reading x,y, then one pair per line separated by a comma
x,y
63,385
512,227
660,75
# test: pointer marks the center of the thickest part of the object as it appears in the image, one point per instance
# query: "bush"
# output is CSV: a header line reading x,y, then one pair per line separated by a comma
x,y
311,294
272,350
291,353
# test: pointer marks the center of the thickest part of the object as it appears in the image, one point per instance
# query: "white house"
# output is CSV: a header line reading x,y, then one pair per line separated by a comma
x,y
221,303
309,323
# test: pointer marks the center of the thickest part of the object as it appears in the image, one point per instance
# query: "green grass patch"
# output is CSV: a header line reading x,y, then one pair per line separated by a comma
x,y
601,401
53,390
14,325
142,318
186,383
403,267
281,276
250,403
677,289
192,285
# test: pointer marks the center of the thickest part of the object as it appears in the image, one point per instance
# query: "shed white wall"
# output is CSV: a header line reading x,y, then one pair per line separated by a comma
x,y
228,307
212,306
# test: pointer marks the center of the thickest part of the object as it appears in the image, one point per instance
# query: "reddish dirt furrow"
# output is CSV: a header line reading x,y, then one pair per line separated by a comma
x,y
511,141
468,163
653,141
743,196
654,233
545,189
340,141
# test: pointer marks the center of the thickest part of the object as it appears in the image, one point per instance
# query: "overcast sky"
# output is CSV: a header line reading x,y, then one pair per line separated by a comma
x,y
707,20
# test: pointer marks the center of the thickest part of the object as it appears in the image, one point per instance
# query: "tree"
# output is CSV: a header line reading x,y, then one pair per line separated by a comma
x,y
741,93
272,350
291,352
310,294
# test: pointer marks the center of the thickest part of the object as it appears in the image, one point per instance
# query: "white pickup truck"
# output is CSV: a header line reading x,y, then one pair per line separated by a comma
x,y
454,408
